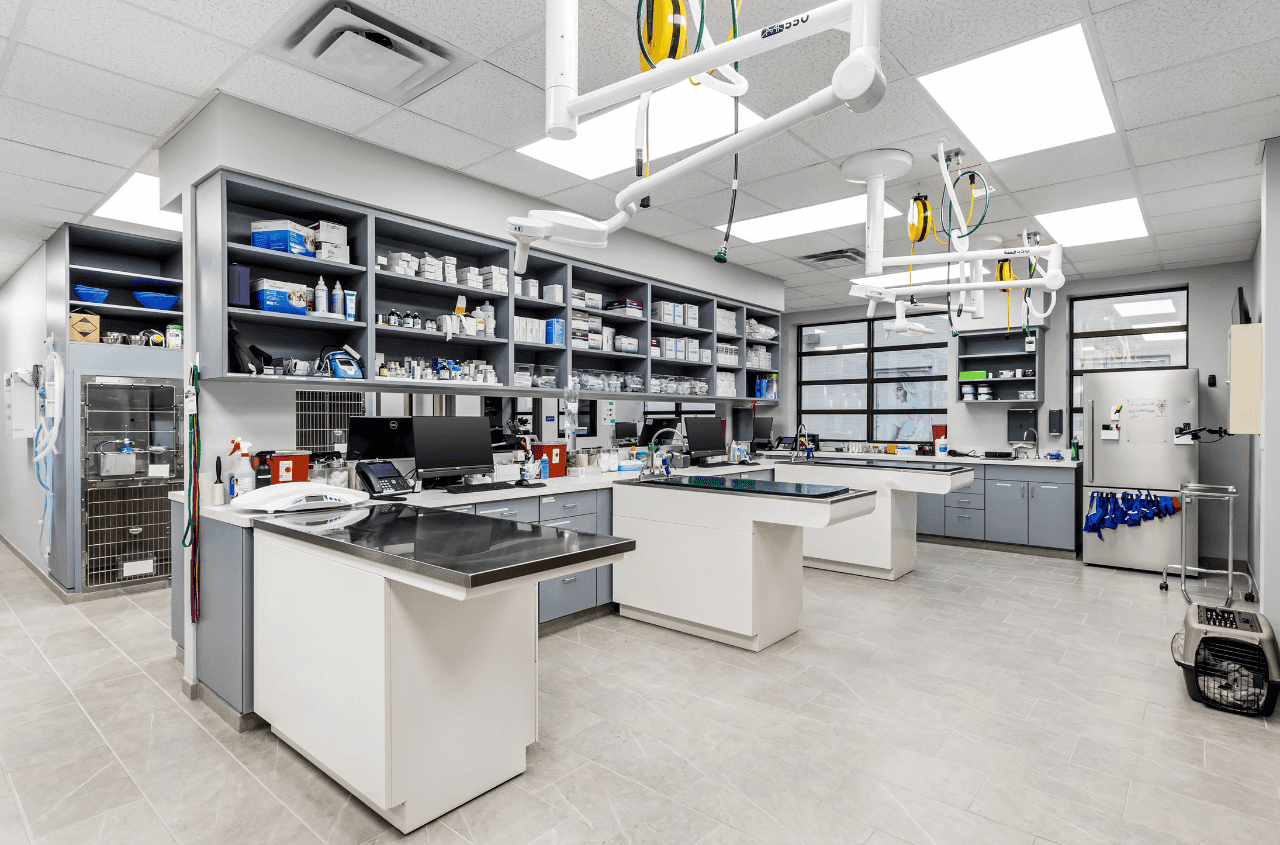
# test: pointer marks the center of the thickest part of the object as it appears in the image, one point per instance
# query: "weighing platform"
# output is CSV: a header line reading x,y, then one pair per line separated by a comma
x,y
882,544
722,558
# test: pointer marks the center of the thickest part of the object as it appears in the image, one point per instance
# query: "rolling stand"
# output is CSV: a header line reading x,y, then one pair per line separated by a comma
x,y
1208,492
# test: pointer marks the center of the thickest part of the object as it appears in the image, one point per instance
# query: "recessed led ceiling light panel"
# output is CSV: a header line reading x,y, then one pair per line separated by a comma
x,y
138,201
1095,224
1032,96
1145,308
924,275
680,117
851,211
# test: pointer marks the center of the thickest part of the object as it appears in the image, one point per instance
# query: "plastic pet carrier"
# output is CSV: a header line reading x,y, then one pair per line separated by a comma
x,y
1229,659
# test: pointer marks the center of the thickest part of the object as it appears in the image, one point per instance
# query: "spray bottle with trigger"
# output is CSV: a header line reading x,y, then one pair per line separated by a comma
x,y
242,476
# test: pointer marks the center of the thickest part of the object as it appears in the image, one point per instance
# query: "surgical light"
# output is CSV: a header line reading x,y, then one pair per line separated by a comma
x,y
1096,224
138,201
683,116
1145,308
851,211
1057,67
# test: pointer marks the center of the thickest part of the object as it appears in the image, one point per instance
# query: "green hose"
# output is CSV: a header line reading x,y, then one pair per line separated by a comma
x,y
985,206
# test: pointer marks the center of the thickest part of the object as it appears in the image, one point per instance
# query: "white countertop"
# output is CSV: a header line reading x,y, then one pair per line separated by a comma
x,y
938,459
441,499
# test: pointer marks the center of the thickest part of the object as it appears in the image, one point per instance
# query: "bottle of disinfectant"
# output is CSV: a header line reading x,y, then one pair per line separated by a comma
x,y
321,297
242,477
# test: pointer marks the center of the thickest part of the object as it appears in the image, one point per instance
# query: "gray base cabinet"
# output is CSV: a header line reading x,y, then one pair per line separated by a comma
x,y
1006,503
590,511
1006,511
931,514
1051,514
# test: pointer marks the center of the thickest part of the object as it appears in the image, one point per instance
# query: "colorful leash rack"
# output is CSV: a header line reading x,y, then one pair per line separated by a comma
x,y
191,537
1111,509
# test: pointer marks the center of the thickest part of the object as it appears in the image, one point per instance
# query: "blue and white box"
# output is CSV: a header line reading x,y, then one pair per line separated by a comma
x,y
278,297
284,236
555,332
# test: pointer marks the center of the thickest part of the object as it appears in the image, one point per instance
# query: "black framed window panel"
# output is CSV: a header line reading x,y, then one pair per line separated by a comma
x,y
857,382
1133,331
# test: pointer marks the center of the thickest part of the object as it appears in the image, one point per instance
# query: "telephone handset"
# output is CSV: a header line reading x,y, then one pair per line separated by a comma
x,y
382,477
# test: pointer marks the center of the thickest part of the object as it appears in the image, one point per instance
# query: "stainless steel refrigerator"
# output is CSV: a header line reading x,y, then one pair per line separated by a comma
x,y
1129,445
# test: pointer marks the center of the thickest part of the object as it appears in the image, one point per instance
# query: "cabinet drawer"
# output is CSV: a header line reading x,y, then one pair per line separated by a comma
x,y
975,486
585,523
1012,472
567,594
964,523
516,510
961,499
567,504
461,509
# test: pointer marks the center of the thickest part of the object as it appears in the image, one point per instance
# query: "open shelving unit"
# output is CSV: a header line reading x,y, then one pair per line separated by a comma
x,y
122,264
227,203
997,350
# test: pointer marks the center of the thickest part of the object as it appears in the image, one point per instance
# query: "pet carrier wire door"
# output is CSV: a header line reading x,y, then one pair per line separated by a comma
x,y
1229,659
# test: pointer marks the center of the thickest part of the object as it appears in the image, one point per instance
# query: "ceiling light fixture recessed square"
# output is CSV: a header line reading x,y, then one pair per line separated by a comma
x,y
851,211
138,201
1051,80
681,117
1095,224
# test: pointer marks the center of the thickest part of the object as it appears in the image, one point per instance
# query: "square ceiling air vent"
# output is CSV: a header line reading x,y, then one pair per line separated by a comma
x,y
836,260
366,50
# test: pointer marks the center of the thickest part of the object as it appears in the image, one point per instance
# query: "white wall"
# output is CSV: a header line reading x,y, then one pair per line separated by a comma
x,y
982,428
1266,465
22,308
240,136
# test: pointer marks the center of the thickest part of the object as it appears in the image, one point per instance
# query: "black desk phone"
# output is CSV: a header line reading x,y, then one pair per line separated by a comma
x,y
382,477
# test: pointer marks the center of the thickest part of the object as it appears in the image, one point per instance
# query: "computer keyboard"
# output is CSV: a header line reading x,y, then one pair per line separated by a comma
x,y
479,488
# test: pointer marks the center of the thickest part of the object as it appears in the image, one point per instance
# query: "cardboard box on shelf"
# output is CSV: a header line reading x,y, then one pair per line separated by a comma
x,y
553,293
283,236
691,315
595,300
279,297
333,252
329,233
85,326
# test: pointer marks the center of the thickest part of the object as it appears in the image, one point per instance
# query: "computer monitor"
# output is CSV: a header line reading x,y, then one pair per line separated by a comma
x,y
705,436
380,438
451,446
625,431
653,425
762,429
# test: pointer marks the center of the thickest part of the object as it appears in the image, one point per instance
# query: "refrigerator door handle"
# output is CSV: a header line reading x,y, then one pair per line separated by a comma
x,y
1091,448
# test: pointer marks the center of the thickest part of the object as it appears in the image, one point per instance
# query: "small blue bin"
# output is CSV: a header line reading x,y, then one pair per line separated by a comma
x,y
84,293
155,301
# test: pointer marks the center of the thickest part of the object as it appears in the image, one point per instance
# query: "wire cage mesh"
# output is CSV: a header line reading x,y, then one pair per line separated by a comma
x,y
126,534
1231,675
323,417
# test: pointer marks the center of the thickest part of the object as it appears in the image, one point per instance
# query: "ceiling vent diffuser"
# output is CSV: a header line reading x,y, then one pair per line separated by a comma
x,y
836,260
366,50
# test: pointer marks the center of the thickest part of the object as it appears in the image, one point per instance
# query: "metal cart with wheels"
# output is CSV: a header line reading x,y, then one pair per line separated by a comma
x,y
1208,492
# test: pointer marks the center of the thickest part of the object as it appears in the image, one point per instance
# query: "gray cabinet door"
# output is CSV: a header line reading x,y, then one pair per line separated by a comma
x,y
567,594
604,584
930,514
1051,514
964,523
1006,511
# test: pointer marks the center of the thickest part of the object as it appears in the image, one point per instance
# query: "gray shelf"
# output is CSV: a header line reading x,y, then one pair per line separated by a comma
x,y
81,274
253,315
439,337
533,304
413,284
274,260
996,347
618,356
132,312
674,328
538,347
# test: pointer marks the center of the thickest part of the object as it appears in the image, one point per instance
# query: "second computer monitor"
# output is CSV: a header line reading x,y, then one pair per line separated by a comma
x,y
452,446
380,438
705,436
762,429
655,424
625,431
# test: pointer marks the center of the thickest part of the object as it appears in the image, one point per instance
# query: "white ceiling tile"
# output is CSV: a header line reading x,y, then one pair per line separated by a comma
x,y
924,167
56,167
805,244
122,38
1095,189
520,173
1103,5
1135,270
10,257
488,103
777,155
150,165
1122,262
28,123
1245,189
750,255
815,184
22,245
713,209
658,223
1111,249
1204,262
706,241
588,198
16,230
1213,235
1228,79
1230,127
811,278
1232,251
234,20
36,215
1061,164
68,86
929,34
783,77
1152,34
1219,165
694,185
415,135
53,195
526,58
827,288
1223,215
478,26
8,11
903,113
304,95
781,267
604,39
1002,208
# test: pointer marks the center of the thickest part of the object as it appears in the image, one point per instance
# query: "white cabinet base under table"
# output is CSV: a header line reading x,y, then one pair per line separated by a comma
x,y
881,544
721,565
414,693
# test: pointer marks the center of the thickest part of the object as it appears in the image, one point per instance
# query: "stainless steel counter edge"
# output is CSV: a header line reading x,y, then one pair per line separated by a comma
x,y
845,497
849,462
529,567
784,457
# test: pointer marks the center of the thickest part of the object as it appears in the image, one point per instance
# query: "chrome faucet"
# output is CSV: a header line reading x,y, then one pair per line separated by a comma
x,y
802,436
650,462
1027,444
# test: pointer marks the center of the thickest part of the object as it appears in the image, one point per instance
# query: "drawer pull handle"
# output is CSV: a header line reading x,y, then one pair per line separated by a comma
x,y
566,507
998,484
549,499
568,580
561,522
503,512
963,515
1048,486
966,501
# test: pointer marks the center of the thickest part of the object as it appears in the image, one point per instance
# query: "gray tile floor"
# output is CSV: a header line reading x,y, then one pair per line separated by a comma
x,y
987,698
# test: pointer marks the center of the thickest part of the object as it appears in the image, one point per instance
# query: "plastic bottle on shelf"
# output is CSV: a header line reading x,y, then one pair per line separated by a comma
x,y
490,320
322,297
339,299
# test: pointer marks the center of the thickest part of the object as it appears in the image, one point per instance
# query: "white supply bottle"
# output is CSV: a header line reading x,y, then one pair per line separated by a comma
x,y
339,299
242,479
322,296
490,320
350,300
